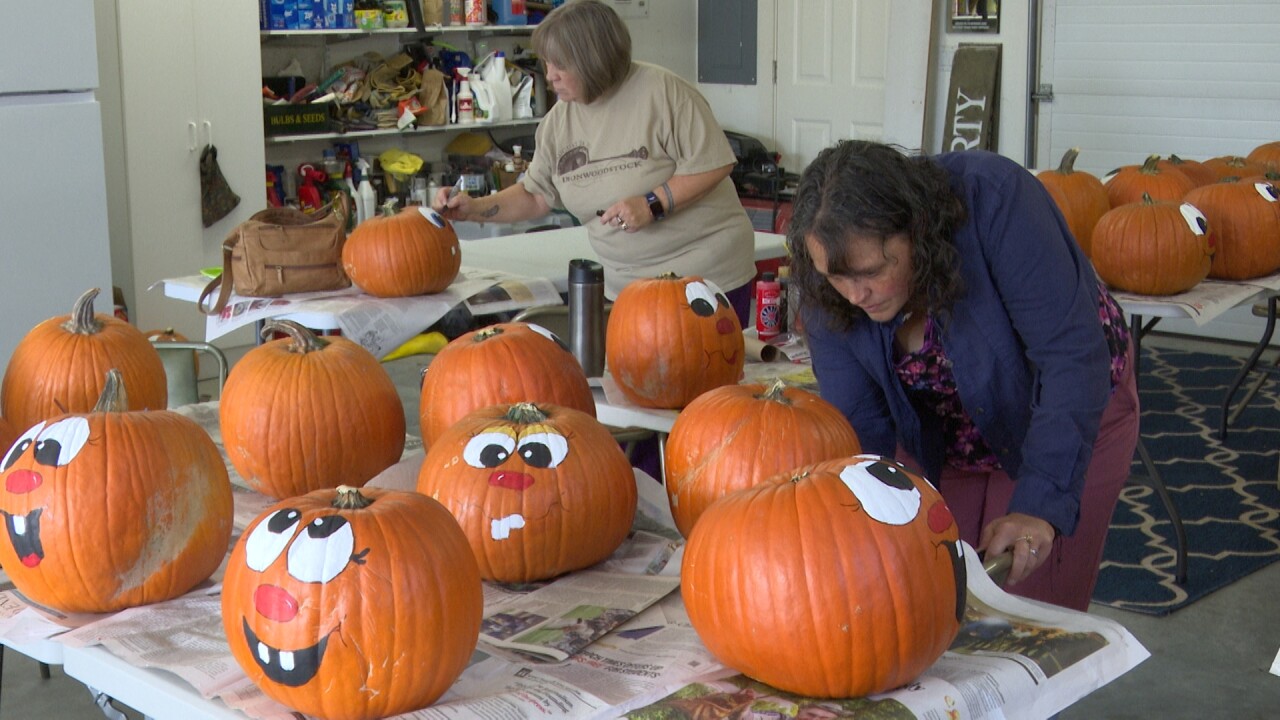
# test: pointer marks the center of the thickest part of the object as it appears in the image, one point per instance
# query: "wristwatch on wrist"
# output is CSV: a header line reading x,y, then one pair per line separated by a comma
x,y
655,207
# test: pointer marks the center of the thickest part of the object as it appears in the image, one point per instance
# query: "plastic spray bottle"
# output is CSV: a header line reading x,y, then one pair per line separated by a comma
x,y
367,202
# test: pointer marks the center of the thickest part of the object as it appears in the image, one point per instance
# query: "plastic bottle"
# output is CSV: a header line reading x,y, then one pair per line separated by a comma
x,y
518,162
510,12
784,305
466,103
368,200
768,305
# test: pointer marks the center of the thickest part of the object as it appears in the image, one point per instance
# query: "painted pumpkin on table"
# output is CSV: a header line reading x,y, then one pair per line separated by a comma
x,y
735,436
414,252
672,338
1245,220
539,490
500,364
839,579
1153,248
1080,197
113,508
302,413
353,604
59,366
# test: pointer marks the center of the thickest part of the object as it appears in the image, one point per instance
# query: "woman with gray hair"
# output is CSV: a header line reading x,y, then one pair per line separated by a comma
x,y
636,154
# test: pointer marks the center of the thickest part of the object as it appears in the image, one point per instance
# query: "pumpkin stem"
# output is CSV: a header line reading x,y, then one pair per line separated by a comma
x,y
82,320
1146,199
304,341
486,333
525,413
1150,166
669,275
113,397
350,498
775,392
1068,164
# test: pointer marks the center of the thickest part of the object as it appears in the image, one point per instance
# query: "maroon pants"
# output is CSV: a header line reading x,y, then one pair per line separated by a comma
x,y
1067,577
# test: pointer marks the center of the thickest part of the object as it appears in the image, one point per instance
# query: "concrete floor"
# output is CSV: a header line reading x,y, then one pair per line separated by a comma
x,y
1209,660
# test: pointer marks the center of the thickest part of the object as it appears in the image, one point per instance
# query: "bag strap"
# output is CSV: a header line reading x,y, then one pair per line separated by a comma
x,y
223,281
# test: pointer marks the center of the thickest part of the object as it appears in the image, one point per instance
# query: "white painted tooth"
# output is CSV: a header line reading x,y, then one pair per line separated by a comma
x,y
501,528
286,660
20,524
264,653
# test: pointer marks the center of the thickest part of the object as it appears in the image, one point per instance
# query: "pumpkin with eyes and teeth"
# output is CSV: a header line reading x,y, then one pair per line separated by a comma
x,y
414,252
353,604
672,338
856,557
539,490
149,485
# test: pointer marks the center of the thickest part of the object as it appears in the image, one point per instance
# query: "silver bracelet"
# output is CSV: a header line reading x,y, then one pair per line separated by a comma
x,y
671,201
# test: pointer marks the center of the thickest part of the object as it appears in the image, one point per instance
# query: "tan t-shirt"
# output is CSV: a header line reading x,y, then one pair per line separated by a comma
x,y
650,128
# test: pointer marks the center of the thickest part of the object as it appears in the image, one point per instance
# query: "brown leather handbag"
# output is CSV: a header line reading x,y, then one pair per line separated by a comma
x,y
278,251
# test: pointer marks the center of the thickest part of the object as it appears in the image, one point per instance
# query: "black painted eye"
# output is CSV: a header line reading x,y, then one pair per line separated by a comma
x,y
549,335
21,444
432,216
543,450
58,444
884,489
323,551
488,450
1267,190
269,538
1196,220
701,298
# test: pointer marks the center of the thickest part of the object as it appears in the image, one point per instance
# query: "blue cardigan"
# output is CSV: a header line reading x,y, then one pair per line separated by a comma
x,y
1027,348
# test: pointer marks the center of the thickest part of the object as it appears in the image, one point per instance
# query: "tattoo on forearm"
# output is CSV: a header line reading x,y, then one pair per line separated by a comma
x,y
490,212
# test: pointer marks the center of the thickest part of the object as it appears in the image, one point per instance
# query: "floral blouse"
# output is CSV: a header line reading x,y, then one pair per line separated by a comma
x,y
926,374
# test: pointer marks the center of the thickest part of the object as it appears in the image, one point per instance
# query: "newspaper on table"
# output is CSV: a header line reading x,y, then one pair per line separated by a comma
x,y
383,324
1206,301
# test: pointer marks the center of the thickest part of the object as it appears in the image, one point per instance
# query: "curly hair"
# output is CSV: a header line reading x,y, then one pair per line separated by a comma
x,y
872,190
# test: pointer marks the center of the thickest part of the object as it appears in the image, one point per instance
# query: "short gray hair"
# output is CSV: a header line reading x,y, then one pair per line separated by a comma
x,y
588,39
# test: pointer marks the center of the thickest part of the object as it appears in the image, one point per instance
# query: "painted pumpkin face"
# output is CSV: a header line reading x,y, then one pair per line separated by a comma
x,y
891,582
151,486
539,490
670,339
328,594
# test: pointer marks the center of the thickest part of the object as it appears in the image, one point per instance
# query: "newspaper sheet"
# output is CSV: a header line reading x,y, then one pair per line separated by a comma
x,y
383,324
1202,303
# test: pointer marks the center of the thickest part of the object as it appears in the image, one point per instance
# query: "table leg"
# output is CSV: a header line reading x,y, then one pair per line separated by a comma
x,y
1249,366
1179,533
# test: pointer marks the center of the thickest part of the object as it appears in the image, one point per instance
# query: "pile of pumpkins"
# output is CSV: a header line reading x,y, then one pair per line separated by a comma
x,y
1161,227
349,601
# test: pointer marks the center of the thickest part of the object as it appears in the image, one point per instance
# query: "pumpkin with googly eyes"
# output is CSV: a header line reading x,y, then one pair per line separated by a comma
x,y
539,490
856,562
351,604
414,252
1153,248
504,363
672,338
1246,221
113,508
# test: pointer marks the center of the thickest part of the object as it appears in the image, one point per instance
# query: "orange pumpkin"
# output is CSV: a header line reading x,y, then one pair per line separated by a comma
x,y
1234,166
735,436
1153,248
353,604
839,579
1245,221
303,413
60,365
1129,183
1193,169
113,508
539,490
8,434
504,363
1080,197
672,338
414,252
171,335
1267,155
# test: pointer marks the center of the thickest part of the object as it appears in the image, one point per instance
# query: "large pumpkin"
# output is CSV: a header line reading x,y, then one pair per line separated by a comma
x,y
1129,183
1245,221
302,413
1080,197
414,252
539,490
672,338
59,366
504,363
353,604
113,508
1153,248
1267,154
8,434
1193,169
1234,166
735,436
839,579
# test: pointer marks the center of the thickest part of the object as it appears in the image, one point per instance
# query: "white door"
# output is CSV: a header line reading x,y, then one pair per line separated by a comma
x,y
838,79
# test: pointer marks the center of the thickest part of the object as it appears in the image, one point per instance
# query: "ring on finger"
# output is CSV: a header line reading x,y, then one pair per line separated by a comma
x,y
624,225
1031,544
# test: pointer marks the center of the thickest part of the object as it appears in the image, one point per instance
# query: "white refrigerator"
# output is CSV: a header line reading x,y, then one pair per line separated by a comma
x,y
54,242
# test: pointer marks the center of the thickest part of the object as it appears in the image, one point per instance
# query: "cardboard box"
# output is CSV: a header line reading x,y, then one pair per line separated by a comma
x,y
297,119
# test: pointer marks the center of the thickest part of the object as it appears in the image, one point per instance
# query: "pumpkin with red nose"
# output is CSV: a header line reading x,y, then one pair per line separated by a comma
x,y
352,604
672,338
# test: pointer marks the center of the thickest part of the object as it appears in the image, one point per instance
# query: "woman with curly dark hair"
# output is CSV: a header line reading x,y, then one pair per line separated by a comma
x,y
954,320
